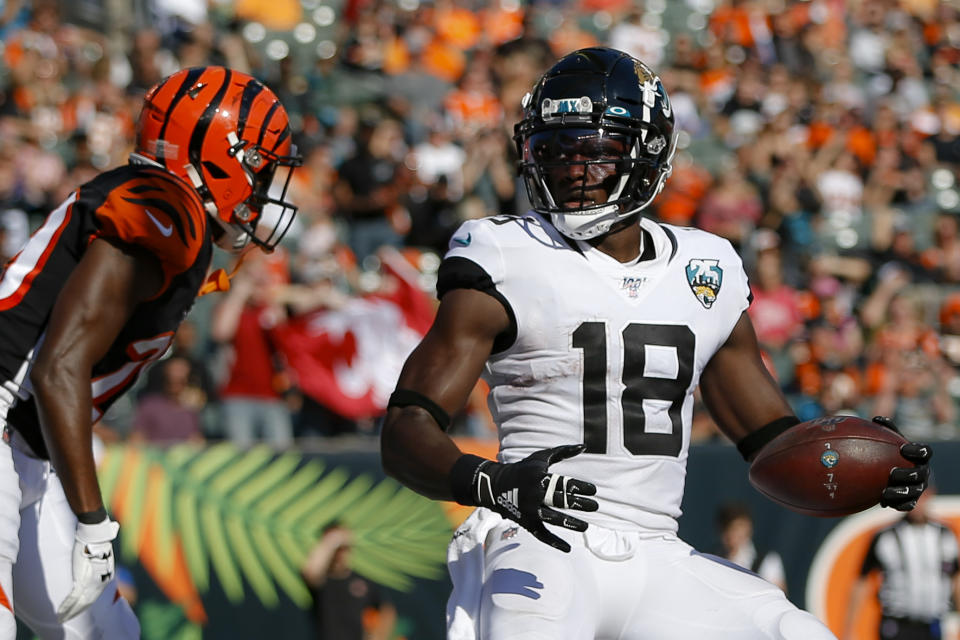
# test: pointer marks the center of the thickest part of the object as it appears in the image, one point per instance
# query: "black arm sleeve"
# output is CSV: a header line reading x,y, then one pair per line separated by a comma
x,y
462,273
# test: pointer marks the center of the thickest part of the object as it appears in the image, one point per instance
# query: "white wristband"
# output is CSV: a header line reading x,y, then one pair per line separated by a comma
x,y
101,532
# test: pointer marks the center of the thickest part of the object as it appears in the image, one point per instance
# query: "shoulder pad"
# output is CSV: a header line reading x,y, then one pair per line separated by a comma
x,y
477,240
153,210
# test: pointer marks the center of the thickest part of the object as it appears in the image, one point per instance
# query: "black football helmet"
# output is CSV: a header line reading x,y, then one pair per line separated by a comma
x,y
598,124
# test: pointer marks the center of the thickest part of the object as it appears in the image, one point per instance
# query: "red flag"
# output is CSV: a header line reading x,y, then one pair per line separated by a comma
x,y
349,359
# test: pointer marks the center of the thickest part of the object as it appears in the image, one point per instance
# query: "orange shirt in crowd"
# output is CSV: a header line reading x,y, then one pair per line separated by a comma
x,y
732,25
443,60
818,134
570,37
615,7
715,82
479,109
862,143
502,25
457,26
280,15
682,194
396,56
809,377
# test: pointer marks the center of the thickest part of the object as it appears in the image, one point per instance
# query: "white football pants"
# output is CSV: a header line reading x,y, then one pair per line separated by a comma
x,y
616,585
37,531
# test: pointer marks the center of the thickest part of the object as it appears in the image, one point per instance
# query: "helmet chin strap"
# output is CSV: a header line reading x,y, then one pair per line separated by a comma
x,y
581,226
219,280
232,238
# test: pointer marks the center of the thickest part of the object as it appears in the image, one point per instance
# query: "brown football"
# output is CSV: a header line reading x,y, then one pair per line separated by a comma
x,y
830,466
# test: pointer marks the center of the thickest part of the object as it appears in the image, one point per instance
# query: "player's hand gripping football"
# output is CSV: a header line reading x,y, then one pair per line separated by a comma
x,y
526,491
906,483
93,566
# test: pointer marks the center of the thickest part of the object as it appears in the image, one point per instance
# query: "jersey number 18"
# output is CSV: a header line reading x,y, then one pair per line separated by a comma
x,y
591,337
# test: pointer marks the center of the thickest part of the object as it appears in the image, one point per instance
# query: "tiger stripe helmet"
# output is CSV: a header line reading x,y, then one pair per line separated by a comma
x,y
229,137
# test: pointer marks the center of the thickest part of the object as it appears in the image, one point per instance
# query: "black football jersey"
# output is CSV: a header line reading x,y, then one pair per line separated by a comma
x,y
135,205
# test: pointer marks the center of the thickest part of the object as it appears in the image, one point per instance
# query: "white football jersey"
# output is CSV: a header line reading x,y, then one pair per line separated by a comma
x,y
606,354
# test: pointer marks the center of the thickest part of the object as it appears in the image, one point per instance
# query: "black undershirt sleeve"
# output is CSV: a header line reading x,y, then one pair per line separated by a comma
x,y
463,273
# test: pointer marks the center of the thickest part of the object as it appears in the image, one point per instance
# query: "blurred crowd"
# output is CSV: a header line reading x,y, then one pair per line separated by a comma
x,y
820,137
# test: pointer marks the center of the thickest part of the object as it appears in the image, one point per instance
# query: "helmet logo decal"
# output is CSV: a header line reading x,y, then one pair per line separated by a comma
x,y
651,90
656,145
705,276
649,94
644,74
617,111
553,109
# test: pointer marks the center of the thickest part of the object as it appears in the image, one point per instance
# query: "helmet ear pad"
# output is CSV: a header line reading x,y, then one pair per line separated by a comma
x,y
611,93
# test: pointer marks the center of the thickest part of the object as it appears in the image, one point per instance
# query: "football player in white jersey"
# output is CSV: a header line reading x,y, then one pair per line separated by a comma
x,y
593,326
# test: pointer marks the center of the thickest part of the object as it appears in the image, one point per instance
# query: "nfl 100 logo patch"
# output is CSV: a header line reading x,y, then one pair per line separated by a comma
x,y
631,285
705,276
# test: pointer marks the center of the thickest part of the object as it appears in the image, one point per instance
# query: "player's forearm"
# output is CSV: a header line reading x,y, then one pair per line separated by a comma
x,y
738,390
416,452
65,406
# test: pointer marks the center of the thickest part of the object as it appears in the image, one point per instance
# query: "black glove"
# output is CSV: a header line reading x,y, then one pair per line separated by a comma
x,y
906,484
525,491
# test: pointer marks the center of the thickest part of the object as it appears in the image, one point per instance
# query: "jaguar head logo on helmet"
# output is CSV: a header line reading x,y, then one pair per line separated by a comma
x,y
229,137
596,141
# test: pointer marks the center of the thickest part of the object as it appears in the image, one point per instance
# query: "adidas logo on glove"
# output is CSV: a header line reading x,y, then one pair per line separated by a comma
x,y
510,500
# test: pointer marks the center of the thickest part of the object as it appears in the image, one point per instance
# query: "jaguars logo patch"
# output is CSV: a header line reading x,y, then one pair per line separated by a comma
x,y
830,458
705,277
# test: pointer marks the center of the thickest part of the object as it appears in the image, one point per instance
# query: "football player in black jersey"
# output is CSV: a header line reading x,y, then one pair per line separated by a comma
x,y
593,325
97,294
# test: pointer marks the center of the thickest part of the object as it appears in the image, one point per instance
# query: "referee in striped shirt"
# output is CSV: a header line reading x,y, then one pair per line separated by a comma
x,y
917,560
